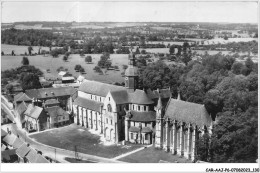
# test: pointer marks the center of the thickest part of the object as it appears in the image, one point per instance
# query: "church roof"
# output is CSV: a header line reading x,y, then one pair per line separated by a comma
x,y
188,112
120,96
23,150
131,71
140,97
17,143
143,116
3,133
89,104
9,139
98,88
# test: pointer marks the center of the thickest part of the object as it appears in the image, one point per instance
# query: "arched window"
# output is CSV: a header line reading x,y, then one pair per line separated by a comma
x,y
109,108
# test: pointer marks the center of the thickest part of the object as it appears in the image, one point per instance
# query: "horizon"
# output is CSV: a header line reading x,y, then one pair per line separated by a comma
x,y
131,12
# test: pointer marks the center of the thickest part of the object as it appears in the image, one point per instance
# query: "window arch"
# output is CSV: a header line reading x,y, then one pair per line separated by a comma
x,y
109,108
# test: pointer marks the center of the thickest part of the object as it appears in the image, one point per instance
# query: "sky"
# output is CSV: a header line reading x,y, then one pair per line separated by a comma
x,y
232,12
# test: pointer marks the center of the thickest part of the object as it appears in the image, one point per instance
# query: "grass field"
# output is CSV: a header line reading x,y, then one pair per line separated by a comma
x,y
153,155
69,136
53,64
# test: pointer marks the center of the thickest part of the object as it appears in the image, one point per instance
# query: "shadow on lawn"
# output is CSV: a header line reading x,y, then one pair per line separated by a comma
x,y
73,160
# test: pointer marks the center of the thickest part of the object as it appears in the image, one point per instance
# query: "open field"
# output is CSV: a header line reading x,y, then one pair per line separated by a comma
x,y
53,64
153,155
70,136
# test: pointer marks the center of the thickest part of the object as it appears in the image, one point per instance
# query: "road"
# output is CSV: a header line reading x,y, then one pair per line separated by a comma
x,y
52,152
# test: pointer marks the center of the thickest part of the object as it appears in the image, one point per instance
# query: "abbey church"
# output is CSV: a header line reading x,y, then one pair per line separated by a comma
x,y
141,116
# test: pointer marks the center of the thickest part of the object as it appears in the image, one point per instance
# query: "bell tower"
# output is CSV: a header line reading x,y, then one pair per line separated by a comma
x,y
159,124
131,74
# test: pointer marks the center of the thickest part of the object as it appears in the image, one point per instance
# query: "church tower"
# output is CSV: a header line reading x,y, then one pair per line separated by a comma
x,y
131,74
159,124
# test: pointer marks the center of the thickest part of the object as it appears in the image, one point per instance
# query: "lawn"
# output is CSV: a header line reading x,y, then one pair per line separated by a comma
x,y
70,136
153,155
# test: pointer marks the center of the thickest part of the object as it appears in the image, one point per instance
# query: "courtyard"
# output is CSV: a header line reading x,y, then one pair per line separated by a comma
x,y
153,155
73,136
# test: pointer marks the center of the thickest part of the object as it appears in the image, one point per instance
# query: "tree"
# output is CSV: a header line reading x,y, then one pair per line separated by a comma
x,y
81,70
30,81
172,49
143,51
77,67
13,54
88,59
9,88
65,58
186,58
2,53
25,61
137,51
30,50
237,68
54,53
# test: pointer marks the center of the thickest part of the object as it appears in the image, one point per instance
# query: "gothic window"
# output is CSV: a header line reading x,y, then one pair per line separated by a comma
x,y
144,108
138,108
133,107
146,136
109,108
111,122
132,135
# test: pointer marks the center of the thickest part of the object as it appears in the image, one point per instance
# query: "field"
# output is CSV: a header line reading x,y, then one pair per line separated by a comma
x,y
53,64
70,136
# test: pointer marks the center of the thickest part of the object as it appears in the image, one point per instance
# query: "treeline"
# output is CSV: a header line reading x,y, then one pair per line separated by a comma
x,y
228,89
251,46
29,37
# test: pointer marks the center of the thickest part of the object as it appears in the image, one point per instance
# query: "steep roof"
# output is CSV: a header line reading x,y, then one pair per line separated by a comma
x,y
9,139
56,111
68,78
23,150
17,143
22,97
50,92
140,97
120,96
3,133
98,88
31,156
188,112
51,101
41,159
33,111
17,96
21,108
142,116
87,103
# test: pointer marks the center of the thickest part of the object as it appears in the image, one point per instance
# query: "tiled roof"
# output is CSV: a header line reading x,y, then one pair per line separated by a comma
x,y
140,97
23,150
89,104
3,133
80,78
23,97
9,139
134,129
120,96
98,88
17,143
31,156
50,92
56,111
17,96
41,159
3,147
146,130
21,108
51,101
143,116
68,78
188,112
33,111
5,155
131,71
